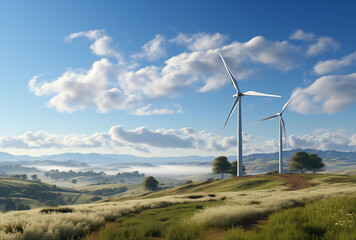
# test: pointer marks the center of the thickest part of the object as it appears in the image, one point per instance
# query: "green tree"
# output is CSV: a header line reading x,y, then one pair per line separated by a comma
x,y
188,182
299,161
303,161
24,176
150,183
9,205
221,165
74,181
233,170
316,163
34,177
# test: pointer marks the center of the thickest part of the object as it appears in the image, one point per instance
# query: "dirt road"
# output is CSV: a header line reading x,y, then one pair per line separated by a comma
x,y
295,182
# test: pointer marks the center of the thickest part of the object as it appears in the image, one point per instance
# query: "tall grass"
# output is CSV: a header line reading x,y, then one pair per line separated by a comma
x,y
38,224
329,219
237,207
244,206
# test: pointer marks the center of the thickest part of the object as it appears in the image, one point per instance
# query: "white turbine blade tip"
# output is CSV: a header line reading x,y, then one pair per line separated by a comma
x,y
253,93
232,78
264,119
290,99
232,110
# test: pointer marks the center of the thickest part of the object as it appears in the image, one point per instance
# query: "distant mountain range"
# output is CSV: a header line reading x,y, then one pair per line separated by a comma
x,y
255,163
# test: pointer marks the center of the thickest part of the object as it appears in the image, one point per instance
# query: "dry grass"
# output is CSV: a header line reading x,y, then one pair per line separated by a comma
x,y
238,206
33,224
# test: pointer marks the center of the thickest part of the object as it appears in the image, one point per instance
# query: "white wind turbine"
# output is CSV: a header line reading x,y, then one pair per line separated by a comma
x,y
238,97
281,126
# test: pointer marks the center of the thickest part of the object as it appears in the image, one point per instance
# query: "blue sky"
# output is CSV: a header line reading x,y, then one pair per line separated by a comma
x,y
145,78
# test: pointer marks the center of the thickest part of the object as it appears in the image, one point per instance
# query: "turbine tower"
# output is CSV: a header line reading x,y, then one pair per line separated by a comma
x,y
238,97
281,127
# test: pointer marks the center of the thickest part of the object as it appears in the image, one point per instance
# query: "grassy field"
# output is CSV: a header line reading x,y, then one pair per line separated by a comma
x,y
217,209
35,194
257,182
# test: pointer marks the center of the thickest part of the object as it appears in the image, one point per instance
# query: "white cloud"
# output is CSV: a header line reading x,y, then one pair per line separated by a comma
x,y
322,45
148,110
108,85
201,41
102,45
45,140
329,66
154,49
319,44
328,94
75,90
158,138
301,35
173,142
324,141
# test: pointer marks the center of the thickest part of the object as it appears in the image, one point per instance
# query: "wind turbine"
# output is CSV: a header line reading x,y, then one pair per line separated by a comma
x,y
238,97
281,126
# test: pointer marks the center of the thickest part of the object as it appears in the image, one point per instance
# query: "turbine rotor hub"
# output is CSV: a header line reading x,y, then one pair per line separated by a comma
x,y
239,94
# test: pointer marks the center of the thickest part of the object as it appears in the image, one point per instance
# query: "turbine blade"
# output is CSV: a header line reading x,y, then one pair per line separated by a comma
x,y
264,119
285,105
232,78
253,93
232,110
284,130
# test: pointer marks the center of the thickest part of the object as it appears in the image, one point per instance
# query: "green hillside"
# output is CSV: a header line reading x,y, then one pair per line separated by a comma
x,y
307,206
30,194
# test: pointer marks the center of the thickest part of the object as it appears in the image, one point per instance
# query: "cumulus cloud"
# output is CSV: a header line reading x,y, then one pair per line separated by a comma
x,y
323,44
183,141
318,45
301,35
324,141
201,41
109,85
149,110
102,45
44,140
156,138
328,94
328,66
75,90
154,49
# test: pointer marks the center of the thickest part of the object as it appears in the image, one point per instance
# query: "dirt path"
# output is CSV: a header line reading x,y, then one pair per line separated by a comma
x,y
295,182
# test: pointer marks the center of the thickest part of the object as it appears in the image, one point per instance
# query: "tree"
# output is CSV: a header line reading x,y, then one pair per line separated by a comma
x,y
24,176
150,183
316,163
221,165
233,170
34,177
188,182
74,181
9,205
303,161
299,161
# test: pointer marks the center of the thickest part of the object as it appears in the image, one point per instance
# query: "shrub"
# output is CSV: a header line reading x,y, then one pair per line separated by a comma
x,y
150,183
188,182
56,210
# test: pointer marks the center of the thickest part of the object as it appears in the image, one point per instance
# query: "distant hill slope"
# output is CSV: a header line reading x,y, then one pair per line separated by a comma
x,y
255,163
334,160
36,194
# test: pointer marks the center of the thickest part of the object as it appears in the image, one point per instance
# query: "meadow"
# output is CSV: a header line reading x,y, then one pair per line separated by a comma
x,y
226,212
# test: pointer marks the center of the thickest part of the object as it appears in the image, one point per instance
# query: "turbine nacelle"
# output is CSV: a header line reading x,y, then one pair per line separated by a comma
x,y
237,95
